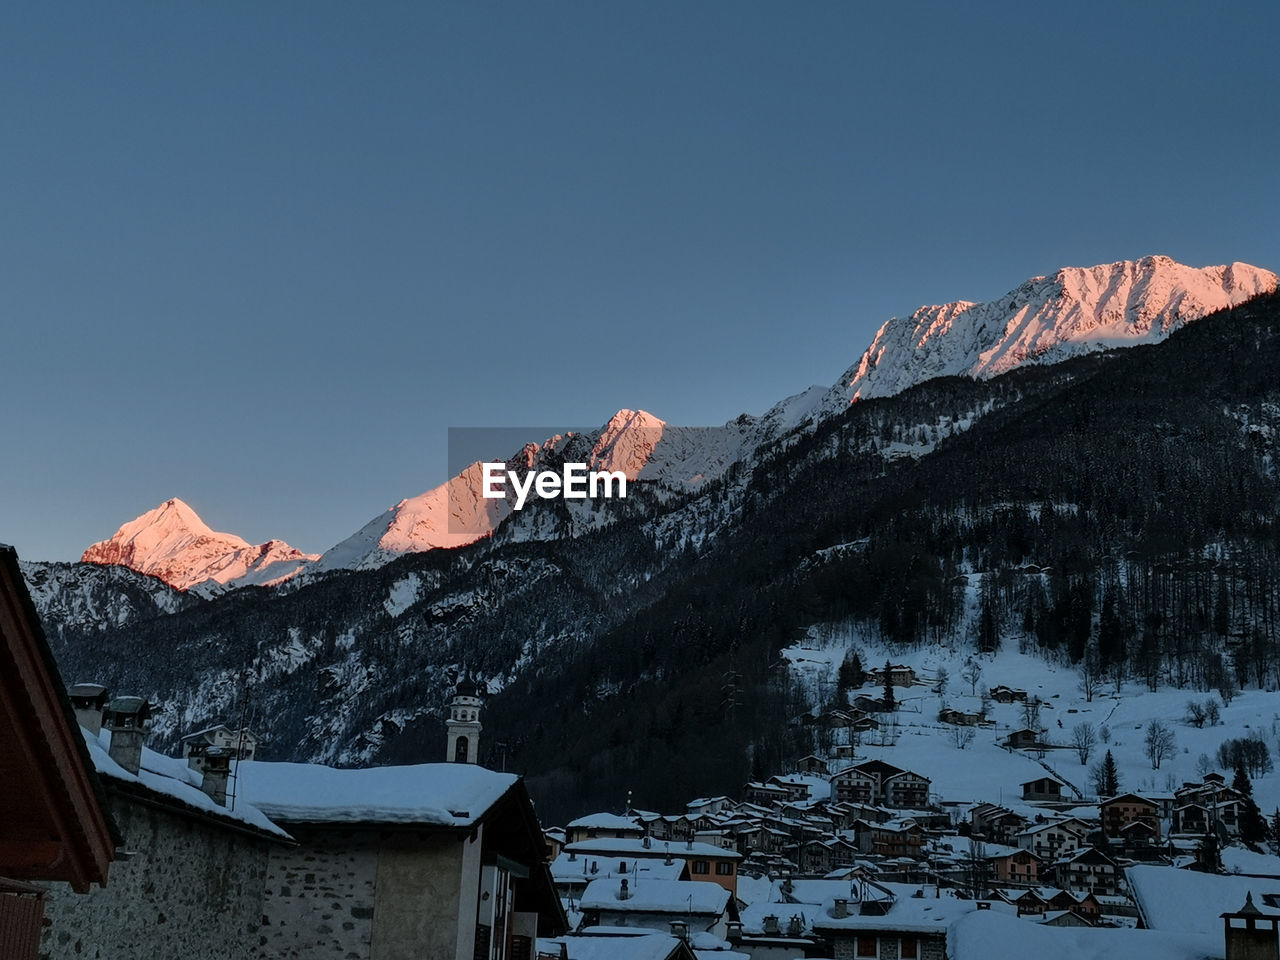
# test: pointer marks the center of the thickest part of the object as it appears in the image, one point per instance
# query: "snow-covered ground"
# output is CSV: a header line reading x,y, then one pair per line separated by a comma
x,y
984,770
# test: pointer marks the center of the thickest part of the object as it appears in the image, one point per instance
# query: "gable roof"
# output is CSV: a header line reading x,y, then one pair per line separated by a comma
x,y
53,819
697,897
453,795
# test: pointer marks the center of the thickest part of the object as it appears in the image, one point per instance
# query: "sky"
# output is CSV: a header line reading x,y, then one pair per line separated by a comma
x,y
262,257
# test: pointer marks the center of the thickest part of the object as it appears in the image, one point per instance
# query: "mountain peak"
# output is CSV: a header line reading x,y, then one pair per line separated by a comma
x,y
1049,318
172,543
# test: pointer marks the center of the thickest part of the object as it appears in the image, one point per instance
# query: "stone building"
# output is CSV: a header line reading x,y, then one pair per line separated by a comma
x,y
190,884
440,860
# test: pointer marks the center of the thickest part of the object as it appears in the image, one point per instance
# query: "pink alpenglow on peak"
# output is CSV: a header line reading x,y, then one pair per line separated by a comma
x,y
457,513
1047,319
172,543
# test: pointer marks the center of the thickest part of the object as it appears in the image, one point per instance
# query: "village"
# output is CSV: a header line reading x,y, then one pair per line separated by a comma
x,y
109,848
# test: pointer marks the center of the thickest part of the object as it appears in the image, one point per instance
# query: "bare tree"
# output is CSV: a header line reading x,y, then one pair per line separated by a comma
x,y
940,681
1159,743
1084,738
1090,674
1031,713
1212,712
962,736
971,673
1195,713
984,702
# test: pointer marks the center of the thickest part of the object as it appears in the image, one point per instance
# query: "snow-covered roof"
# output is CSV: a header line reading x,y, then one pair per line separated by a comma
x,y
173,779
657,896
991,935
589,867
606,821
1186,901
433,794
618,946
635,846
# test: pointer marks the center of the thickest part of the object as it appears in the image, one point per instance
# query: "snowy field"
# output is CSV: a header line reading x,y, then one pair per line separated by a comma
x,y
984,770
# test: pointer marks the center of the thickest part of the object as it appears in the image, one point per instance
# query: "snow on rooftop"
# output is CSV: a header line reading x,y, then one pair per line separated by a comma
x,y
988,935
172,778
1186,901
656,896
618,946
566,870
605,821
635,846
434,794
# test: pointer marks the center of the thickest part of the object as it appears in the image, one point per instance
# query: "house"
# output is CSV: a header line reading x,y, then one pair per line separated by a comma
x,y
1089,870
241,744
603,825
572,873
959,718
55,824
1042,788
877,782
1014,866
995,822
706,862
1196,805
765,794
444,860
1053,838
705,805
1119,812
703,907
194,862
812,765
899,674
1003,694
897,838
1024,739
888,920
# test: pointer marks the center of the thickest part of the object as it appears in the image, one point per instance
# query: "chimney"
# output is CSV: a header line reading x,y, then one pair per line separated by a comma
x,y
126,719
840,909
624,892
733,931
1250,934
217,771
771,927
680,929
89,699
795,926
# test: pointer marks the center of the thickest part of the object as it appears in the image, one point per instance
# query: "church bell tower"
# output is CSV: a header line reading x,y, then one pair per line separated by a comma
x,y
464,721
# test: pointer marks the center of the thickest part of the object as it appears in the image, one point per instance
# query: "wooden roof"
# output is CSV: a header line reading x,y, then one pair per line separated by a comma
x,y
53,822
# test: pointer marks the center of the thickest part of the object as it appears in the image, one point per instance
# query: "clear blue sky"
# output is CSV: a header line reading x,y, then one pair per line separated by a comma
x,y
261,256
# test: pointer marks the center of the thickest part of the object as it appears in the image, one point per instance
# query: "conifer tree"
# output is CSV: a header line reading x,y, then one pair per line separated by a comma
x,y
889,702
1110,776
1253,827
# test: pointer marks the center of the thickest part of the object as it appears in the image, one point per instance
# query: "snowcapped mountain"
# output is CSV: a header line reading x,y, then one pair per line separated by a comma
x,y
172,543
1045,320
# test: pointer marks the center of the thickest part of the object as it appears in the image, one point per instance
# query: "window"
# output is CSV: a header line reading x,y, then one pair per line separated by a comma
x,y
867,947
701,866
908,949
724,869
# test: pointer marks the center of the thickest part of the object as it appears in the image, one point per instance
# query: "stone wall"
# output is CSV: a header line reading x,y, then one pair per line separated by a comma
x,y
191,890
318,901
320,898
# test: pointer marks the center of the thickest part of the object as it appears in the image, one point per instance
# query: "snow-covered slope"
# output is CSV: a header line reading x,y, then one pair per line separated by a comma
x,y
1045,320
172,543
